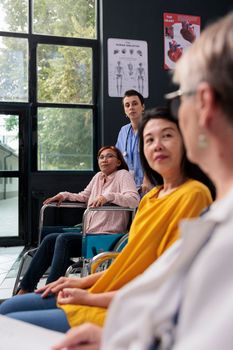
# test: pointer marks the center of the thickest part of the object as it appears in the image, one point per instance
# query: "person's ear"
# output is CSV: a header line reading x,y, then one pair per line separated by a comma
x,y
205,104
118,163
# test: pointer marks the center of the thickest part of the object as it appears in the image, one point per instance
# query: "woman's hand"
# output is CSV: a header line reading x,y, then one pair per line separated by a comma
x,y
66,282
58,198
73,296
98,202
85,337
83,297
58,285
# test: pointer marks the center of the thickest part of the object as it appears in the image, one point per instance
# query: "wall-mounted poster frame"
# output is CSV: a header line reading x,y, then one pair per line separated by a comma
x,y
180,31
127,66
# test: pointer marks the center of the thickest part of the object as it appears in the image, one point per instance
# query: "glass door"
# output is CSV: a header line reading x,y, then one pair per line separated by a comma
x,y
13,175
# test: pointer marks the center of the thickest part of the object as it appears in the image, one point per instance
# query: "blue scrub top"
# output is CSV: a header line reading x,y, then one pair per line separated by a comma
x,y
128,144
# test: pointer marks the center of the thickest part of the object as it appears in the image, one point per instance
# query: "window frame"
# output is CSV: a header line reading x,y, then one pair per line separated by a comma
x,y
29,188
75,42
33,41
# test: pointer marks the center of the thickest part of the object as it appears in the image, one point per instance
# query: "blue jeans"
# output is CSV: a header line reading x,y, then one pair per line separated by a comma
x,y
55,250
32,308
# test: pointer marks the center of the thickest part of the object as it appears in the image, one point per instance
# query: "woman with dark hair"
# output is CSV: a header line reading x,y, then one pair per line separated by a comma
x,y
113,184
153,230
189,169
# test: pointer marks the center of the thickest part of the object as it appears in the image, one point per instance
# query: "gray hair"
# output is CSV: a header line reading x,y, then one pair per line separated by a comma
x,y
210,59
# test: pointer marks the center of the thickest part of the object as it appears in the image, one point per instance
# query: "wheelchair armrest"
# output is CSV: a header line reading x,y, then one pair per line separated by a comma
x,y
54,205
101,258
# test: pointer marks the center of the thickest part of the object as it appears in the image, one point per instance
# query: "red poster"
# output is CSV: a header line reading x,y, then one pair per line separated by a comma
x,y
180,31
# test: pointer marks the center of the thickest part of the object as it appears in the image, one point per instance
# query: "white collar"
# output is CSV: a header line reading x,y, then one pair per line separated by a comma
x,y
222,209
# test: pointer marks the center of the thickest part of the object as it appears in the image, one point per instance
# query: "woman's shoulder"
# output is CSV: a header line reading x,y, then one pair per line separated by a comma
x,y
124,176
122,173
194,186
97,175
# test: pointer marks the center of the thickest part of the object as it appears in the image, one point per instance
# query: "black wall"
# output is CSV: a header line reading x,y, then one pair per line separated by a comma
x,y
143,20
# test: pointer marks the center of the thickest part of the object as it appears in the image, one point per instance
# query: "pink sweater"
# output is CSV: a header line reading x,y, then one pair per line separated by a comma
x,y
118,188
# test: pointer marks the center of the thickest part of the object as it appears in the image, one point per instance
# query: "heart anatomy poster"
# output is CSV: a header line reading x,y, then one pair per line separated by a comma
x,y
180,31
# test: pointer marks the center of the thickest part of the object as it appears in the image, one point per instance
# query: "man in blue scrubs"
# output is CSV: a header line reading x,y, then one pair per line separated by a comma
x,y
128,141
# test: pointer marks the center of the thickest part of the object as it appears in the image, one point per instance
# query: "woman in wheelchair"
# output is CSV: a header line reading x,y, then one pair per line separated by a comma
x,y
69,302
113,184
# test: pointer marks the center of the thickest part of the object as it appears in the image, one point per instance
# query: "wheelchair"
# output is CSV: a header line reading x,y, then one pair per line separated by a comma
x,y
102,261
109,246
92,244
95,244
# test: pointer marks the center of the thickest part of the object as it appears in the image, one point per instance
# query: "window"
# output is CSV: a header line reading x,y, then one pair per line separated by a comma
x,y
69,18
9,142
9,199
14,16
58,82
64,74
65,139
13,69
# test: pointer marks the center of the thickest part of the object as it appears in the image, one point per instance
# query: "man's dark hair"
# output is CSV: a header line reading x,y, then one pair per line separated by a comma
x,y
132,92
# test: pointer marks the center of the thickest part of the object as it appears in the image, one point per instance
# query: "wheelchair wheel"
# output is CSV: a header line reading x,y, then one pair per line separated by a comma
x,y
121,243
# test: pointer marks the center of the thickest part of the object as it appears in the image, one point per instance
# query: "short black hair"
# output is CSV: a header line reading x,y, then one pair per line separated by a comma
x,y
132,92
189,170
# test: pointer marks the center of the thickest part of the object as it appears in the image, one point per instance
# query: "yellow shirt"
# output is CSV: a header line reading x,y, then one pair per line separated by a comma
x,y
154,229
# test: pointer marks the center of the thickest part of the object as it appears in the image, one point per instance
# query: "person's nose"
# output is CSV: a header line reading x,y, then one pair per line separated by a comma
x,y
131,107
158,145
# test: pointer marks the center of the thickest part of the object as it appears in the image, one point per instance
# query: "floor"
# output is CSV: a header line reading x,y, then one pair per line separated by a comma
x,y
9,264
9,261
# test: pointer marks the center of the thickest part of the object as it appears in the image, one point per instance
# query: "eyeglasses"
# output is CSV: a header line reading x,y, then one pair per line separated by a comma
x,y
173,99
106,156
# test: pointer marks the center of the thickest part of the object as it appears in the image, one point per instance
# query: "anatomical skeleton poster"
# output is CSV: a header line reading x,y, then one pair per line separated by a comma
x,y
180,31
127,66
